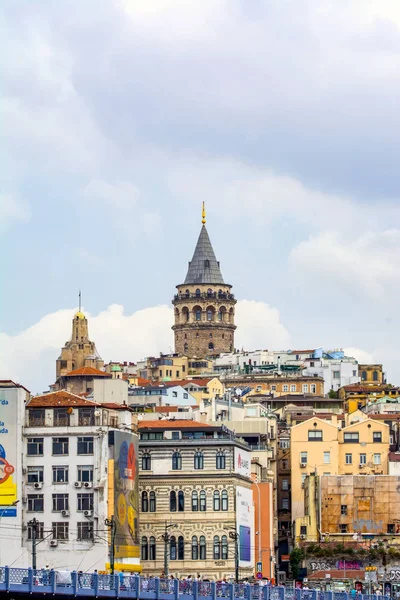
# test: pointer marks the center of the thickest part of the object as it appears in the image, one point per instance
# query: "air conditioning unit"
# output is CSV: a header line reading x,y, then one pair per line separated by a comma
x,y
88,513
24,499
65,513
303,537
303,465
38,485
78,484
53,543
24,471
88,484
361,465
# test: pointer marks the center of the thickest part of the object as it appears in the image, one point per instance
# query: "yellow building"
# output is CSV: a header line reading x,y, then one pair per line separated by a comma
x,y
371,374
302,385
357,395
326,448
204,388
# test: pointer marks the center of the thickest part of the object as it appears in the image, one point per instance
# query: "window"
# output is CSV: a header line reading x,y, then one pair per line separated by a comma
x,y
195,548
145,502
181,548
146,462
85,445
197,315
313,388
224,547
176,461
35,503
217,500
220,462
327,458
152,503
285,503
172,501
343,527
203,551
375,376
60,474
224,500
35,447
60,530
211,346
343,510
199,460
336,374
364,376
144,548
60,502
175,435
198,293
363,459
35,474
85,530
85,502
285,484
209,315
60,446
351,438
354,373
36,417
305,388
303,529
195,501
285,388
273,388
391,528
303,478
303,458
203,501
86,416
377,459
39,531
349,459
377,437
61,417
181,501
293,387
85,474
152,548
217,548
172,548
175,394
315,435
285,464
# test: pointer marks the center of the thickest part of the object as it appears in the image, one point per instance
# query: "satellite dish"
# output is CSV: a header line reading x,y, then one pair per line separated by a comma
x,y
238,391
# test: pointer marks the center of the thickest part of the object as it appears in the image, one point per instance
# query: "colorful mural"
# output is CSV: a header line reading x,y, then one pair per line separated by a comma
x,y
126,496
8,455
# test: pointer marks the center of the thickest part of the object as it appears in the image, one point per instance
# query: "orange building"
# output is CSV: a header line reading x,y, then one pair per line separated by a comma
x,y
264,526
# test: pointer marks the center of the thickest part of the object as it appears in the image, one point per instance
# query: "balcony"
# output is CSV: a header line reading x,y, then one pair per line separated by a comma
x,y
204,296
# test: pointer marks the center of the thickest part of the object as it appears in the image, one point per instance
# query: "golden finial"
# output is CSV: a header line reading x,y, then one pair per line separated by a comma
x,y
203,214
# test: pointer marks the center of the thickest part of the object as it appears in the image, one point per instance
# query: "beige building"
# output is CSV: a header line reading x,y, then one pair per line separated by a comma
x,y
195,488
204,306
327,448
79,351
371,374
277,385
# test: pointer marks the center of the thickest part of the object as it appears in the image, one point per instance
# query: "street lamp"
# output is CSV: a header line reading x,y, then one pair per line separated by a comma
x,y
233,534
166,537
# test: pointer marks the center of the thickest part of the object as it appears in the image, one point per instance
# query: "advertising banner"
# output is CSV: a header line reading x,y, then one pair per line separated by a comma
x,y
245,526
242,462
8,452
126,495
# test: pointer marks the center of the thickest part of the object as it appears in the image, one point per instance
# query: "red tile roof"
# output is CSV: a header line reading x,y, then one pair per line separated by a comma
x,y
115,406
336,574
62,398
358,387
184,382
167,409
173,424
87,371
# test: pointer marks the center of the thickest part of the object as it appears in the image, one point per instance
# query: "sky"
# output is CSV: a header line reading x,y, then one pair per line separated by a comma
x,y
120,117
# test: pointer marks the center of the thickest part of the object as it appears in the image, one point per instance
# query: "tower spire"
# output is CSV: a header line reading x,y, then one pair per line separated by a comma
x,y
80,300
203,214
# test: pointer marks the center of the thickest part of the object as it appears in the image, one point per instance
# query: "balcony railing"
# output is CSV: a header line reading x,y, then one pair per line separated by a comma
x,y
205,295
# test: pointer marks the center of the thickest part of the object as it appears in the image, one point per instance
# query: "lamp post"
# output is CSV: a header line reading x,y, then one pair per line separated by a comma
x,y
233,534
111,524
166,537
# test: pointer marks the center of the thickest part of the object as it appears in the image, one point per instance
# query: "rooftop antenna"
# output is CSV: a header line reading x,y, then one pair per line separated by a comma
x,y
203,214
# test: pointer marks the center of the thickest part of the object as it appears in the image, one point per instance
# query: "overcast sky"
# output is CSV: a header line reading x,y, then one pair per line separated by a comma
x,y
120,117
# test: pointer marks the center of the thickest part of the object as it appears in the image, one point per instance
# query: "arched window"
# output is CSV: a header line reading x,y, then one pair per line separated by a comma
x,y
181,501
146,462
224,547
210,315
219,315
203,501
152,548
195,501
364,375
217,500
187,293
199,460
172,501
209,292
220,462
197,315
375,376
185,314
186,347
211,346
197,293
195,548
203,552
224,500
172,548
144,549
152,503
181,548
176,461
216,546
145,502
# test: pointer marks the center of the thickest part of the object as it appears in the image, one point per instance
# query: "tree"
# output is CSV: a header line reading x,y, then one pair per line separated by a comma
x,y
296,556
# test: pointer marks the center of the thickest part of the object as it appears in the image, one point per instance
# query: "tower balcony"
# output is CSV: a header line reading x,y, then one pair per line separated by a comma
x,y
222,296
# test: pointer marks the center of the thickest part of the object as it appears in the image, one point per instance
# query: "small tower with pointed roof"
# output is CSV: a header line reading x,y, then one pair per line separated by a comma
x,y
204,305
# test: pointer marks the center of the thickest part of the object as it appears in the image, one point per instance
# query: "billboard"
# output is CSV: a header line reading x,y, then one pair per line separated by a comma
x,y
242,462
126,495
245,526
8,451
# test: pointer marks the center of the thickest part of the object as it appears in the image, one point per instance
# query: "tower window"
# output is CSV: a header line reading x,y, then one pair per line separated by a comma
x,y
211,346
197,293
210,315
186,347
198,315
206,263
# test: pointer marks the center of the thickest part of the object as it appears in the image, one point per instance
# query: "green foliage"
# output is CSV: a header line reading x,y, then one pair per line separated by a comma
x,y
296,556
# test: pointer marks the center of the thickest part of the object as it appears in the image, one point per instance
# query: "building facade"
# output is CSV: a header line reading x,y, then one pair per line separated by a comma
x,y
196,495
204,306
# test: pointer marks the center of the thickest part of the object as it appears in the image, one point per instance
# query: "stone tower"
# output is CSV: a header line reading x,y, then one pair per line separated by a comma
x,y
79,351
204,306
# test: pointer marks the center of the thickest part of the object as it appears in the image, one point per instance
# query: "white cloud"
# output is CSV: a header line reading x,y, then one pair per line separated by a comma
x,y
12,210
29,357
362,356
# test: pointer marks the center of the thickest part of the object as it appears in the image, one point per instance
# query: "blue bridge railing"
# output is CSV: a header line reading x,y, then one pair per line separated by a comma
x,y
41,581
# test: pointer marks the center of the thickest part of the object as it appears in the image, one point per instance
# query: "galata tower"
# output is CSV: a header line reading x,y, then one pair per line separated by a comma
x,y
204,305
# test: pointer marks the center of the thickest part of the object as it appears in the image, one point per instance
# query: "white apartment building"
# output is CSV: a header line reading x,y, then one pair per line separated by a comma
x,y
236,361
336,372
78,468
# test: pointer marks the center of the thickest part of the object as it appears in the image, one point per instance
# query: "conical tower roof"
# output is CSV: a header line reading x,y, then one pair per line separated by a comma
x,y
204,267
